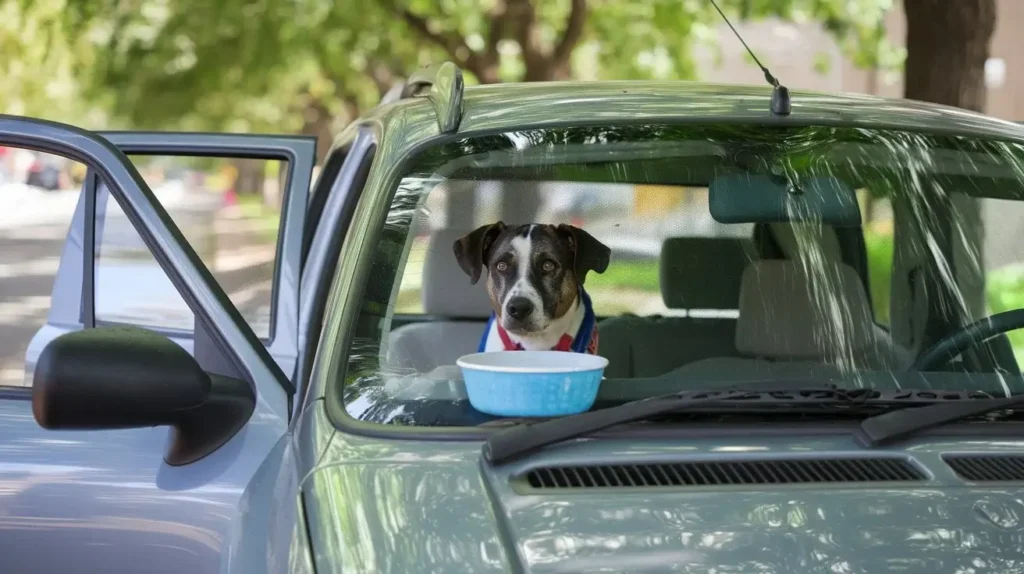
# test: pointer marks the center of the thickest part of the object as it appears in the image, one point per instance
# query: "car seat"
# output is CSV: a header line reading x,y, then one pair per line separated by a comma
x,y
457,311
700,273
800,322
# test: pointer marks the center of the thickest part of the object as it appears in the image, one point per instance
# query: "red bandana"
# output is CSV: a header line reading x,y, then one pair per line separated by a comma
x,y
564,344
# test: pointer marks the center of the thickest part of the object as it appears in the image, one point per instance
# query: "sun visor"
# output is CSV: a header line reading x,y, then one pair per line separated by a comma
x,y
755,198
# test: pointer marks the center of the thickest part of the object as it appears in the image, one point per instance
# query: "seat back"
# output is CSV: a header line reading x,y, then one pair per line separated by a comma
x,y
789,313
795,323
696,273
461,310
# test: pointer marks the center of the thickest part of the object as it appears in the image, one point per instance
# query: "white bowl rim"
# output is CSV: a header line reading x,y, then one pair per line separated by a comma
x,y
598,363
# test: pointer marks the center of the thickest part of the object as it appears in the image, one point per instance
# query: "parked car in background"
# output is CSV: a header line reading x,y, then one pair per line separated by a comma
x,y
44,173
850,412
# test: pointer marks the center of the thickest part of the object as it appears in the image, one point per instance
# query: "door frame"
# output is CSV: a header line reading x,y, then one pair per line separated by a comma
x,y
299,153
359,143
210,304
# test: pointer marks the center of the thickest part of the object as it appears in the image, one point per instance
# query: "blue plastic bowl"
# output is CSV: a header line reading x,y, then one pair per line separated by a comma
x,y
532,383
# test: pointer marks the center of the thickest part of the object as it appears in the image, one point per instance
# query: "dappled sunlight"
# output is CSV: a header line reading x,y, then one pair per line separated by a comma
x,y
13,376
24,311
44,266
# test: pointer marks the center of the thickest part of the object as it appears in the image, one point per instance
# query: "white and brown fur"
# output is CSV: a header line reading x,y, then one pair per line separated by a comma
x,y
534,276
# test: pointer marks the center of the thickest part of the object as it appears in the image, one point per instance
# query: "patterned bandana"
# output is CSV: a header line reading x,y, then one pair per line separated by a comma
x,y
584,342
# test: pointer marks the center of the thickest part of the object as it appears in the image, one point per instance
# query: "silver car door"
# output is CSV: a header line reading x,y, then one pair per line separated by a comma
x,y
107,500
73,308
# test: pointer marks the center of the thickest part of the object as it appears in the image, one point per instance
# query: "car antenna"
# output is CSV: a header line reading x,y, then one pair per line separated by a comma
x,y
780,93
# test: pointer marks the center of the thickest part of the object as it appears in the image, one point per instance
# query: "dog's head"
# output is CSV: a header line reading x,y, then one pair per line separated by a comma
x,y
533,271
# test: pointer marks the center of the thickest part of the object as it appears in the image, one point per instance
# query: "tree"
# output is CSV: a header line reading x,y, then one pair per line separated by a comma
x,y
540,39
237,65
38,67
244,65
545,51
947,46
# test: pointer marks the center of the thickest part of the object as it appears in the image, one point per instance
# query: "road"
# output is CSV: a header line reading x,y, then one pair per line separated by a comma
x,y
33,226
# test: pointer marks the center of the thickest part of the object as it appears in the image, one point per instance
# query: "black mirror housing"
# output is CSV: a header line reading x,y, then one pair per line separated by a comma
x,y
129,377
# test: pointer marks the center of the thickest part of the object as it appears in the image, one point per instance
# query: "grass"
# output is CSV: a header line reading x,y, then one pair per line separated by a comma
x,y
409,302
620,287
615,291
1004,290
266,219
880,252
633,275
1004,287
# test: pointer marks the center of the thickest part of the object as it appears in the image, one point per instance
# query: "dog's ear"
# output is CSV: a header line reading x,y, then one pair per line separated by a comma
x,y
589,254
471,250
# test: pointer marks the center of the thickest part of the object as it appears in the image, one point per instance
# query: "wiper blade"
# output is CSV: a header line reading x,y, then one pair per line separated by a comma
x,y
515,442
888,427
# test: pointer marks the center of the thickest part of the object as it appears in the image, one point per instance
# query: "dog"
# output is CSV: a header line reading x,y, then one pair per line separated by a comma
x,y
535,276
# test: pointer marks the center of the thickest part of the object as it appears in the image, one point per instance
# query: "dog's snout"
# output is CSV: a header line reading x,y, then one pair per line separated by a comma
x,y
519,308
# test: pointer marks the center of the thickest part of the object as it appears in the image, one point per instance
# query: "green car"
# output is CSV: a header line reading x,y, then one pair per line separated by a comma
x,y
810,315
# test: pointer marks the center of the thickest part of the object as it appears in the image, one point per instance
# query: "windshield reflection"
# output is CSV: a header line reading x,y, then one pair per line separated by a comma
x,y
739,253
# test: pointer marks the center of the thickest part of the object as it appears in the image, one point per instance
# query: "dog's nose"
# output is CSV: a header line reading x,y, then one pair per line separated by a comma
x,y
519,308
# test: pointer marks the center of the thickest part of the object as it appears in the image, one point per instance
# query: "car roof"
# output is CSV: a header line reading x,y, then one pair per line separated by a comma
x,y
518,106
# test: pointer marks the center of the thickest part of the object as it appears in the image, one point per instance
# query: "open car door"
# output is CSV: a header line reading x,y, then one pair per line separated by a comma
x,y
159,429
110,280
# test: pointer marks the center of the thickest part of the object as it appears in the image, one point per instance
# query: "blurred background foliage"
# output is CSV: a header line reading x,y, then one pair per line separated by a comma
x,y
309,66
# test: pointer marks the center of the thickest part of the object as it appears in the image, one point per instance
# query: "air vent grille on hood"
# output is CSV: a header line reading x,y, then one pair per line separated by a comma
x,y
987,468
792,471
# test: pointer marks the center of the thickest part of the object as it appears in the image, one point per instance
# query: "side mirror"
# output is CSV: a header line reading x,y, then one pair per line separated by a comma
x,y
128,377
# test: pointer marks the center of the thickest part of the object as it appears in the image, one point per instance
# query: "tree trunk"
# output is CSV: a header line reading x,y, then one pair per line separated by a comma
x,y
317,122
487,73
249,180
947,45
869,199
520,202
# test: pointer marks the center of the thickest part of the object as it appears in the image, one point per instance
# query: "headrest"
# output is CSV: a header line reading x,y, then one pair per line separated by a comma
x,y
446,289
823,236
786,314
703,272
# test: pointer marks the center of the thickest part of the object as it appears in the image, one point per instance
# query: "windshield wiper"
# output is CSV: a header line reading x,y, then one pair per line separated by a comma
x,y
888,427
515,442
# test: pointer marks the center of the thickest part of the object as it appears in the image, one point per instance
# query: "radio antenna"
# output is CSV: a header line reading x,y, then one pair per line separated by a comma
x,y
780,94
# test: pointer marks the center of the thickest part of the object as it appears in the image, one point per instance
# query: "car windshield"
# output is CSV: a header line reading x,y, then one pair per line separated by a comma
x,y
739,254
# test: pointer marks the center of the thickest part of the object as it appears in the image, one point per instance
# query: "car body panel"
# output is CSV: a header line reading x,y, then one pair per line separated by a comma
x,y
268,532
380,507
106,501
505,107
415,500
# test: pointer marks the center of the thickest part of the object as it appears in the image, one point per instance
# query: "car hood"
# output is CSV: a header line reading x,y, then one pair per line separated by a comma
x,y
439,508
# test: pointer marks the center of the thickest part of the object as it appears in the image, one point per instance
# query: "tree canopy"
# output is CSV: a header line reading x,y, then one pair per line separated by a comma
x,y
256,65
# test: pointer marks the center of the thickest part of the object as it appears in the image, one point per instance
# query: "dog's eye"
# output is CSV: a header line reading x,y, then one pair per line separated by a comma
x,y
548,266
502,266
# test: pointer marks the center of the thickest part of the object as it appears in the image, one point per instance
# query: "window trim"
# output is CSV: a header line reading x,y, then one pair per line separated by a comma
x,y
347,286
360,145
349,281
88,304
234,339
290,149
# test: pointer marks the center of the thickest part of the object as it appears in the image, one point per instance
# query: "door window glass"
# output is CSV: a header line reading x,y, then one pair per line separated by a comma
x,y
38,195
228,210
